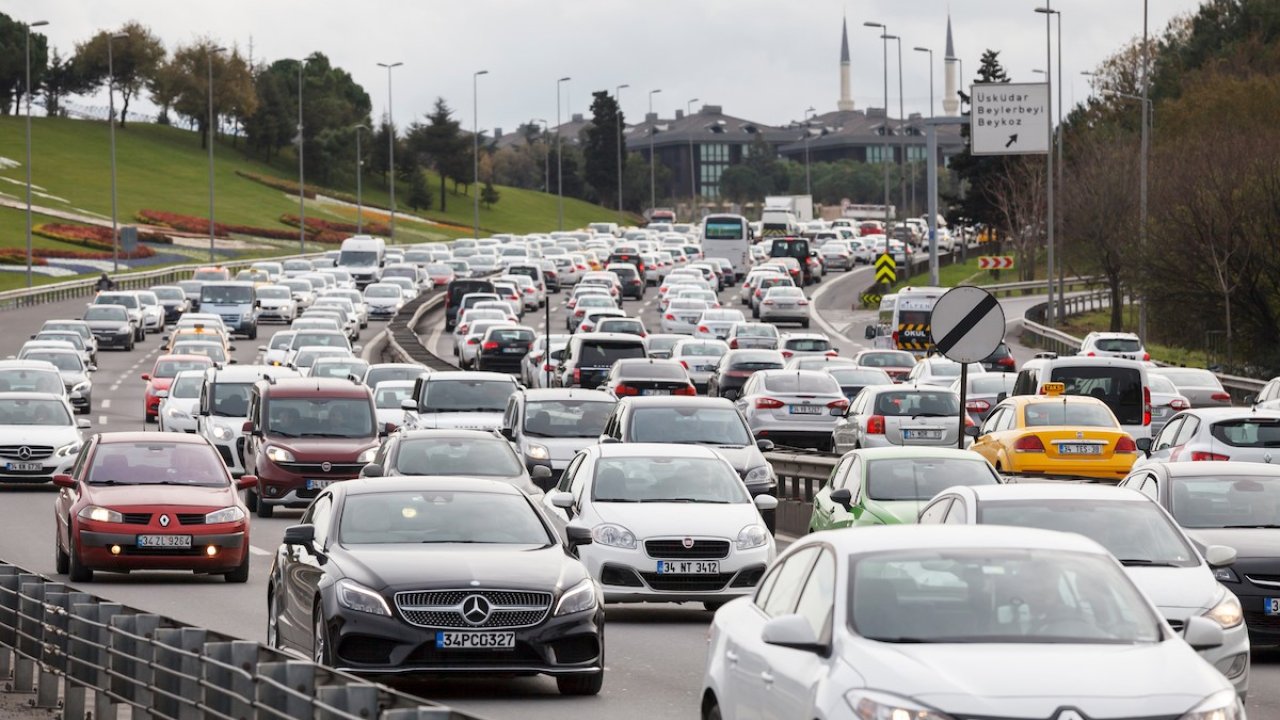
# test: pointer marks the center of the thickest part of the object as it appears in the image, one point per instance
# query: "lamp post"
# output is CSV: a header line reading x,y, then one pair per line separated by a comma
x,y
1062,252
209,141
391,149
617,95
808,185
559,164
546,157
653,162
930,51
693,183
111,123
1048,180
27,88
359,183
302,182
885,157
475,142
902,124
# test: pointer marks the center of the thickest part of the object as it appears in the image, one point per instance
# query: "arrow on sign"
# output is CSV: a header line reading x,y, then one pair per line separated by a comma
x,y
886,269
995,262
1012,139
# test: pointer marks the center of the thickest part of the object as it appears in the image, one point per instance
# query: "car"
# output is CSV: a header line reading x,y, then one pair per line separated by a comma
x,y
1228,504
359,552
585,303
129,301
802,344
549,426
1166,402
166,368
388,398
303,435
1220,433
681,316
378,373
757,335
276,351
384,299
589,357
338,366
408,289
593,316
74,372
748,287
305,356
536,366
503,347
1000,360
458,400
79,327
224,407
899,415
853,379
797,408
890,485
938,371
668,523
819,362
625,325
784,303
454,453
838,253
145,501
1113,344
700,357
276,303
1201,388
646,377
1121,383
661,345
66,336
179,404
173,299
1156,555
111,326
153,313
32,376
897,363
38,436
215,351
633,282
983,392
736,366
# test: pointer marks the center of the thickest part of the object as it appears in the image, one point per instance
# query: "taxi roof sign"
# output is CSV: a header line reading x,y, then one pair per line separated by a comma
x,y
1053,389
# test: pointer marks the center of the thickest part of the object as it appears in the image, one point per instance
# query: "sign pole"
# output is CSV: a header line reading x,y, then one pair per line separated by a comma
x,y
964,412
931,173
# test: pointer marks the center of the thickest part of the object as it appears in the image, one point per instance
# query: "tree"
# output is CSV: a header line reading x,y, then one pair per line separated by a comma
x,y
419,194
600,151
489,195
440,144
60,80
982,173
188,73
741,184
1018,195
635,191
271,127
13,62
135,60
520,166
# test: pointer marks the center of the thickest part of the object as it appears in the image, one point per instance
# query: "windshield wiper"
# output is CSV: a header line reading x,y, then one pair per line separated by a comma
x,y
933,414
282,433
477,409
1139,562
108,482
904,640
1259,526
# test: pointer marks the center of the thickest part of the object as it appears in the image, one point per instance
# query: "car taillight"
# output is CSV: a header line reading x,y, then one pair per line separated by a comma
x,y
977,406
733,344
767,302
1146,356
1146,405
1029,443
625,389
1126,445
894,336
875,425
1091,354
473,341
803,302
491,345
687,390
1006,361
841,404
787,353
635,281
577,375
765,403
580,313
685,364
703,329
1042,391
528,291
1221,397
1179,404
833,353
548,367
1203,456
462,330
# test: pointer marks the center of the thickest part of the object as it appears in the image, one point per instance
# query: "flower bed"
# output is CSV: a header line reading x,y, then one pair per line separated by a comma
x,y
288,186
321,225
194,224
98,239
14,256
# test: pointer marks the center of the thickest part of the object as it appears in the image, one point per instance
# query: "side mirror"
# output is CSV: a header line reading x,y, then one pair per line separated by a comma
x,y
162,394
1002,397
372,470
765,445
508,433
390,427
577,535
871,332
231,348
1248,399
92,368
356,348
247,482
300,535
1144,444
1219,556
409,404
146,376
540,472
562,500
63,480
262,348
609,440
1201,633
246,428
842,497
765,502
83,423
233,361
793,631
972,431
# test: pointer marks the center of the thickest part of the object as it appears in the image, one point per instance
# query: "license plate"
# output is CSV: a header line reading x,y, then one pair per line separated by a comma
x,y
805,410
688,567
164,541
704,368
655,392
475,640
318,484
721,334
1271,606
23,466
514,350
1075,449
922,434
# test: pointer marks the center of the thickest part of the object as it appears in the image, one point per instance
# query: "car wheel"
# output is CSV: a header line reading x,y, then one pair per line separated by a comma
x,y
253,333
710,606
61,560
589,684
241,573
251,500
713,712
129,347
273,621
320,651
75,571
265,510
804,324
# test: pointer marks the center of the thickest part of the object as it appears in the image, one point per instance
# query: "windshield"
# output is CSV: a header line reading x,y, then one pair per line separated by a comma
x,y
274,293
914,403
382,291
991,383
808,344
64,361
1192,378
656,479
440,517
388,396
566,418
70,337
117,314
1235,501
853,376
724,229
921,478
34,412
382,374
702,349
341,369
1120,388
998,595
326,339
280,340
187,386
170,293
1136,532
605,354
483,457
689,425
157,463
210,275
810,382
1042,414
358,257
467,395
944,369
320,417
231,399
213,351
226,295
170,368
297,265
31,380
129,301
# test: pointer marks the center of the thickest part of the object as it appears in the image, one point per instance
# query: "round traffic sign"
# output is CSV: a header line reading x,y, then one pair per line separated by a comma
x,y
967,324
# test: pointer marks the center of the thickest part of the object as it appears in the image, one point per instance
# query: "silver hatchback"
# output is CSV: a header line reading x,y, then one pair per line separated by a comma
x,y
897,415
792,407
1238,434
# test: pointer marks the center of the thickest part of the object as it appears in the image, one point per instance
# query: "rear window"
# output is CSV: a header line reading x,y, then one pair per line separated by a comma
x,y
757,331
1067,413
802,383
1192,378
908,403
514,335
605,354
914,317
995,383
1118,345
887,359
1120,388
1249,433
657,371
808,344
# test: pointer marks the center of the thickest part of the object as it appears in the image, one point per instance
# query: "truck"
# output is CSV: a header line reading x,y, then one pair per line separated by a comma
x,y
799,205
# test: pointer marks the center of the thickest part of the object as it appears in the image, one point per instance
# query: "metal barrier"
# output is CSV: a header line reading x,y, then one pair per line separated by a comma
x,y
800,475
58,643
403,342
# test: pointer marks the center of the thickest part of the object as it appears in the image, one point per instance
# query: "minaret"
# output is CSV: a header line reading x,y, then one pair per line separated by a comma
x,y
846,99
950,101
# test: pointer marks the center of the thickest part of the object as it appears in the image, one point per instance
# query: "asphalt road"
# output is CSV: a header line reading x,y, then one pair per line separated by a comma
x,y
655,653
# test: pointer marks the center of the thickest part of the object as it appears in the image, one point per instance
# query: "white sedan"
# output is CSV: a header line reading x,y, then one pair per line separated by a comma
x,y
947,622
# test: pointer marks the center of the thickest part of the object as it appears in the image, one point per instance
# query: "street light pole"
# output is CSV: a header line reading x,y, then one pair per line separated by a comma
x,y
617,95
693,183
391,149
559,164
902,133
653,162
302,182
1062,238
546,157
111,123
808,185
475,143
1048,180
885,132
359,183
27,88
209,141
930,51
1142,171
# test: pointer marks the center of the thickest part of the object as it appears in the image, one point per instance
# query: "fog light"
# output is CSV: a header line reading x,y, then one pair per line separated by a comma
x,y
211,550
273,491
1234,666
115,549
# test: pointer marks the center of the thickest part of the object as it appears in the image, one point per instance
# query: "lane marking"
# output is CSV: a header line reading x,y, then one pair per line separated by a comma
x,y
102,419
105,404
255,550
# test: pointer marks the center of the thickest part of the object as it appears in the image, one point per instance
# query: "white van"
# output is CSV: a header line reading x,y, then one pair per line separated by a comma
x,y
1122,384
905,319
363,256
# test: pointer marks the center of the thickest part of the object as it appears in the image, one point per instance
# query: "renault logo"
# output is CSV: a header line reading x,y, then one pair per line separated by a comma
x,y
326,466
164,521
24,453
476,609
687,543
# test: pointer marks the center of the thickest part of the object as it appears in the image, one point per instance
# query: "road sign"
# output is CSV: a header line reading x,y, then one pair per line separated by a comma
x,y
886,269
968,324
1009,119
995,262
871,300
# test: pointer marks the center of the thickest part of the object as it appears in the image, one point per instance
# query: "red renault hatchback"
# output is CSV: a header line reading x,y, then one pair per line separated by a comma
x,y
151,501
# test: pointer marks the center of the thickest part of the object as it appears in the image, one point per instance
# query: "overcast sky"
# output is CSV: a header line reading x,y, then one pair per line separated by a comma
x,y
764,60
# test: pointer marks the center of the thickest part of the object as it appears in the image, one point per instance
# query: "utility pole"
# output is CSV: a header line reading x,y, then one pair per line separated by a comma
x,y
302,183
559,164
1142,174
359,179
211,133
653,161
391,148
475,143
27,89
617,95
693,183
885,158
111,123
1048,179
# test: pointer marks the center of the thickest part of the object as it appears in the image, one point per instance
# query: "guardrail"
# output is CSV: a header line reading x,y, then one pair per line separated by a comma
x,y
800,475
58,644
403,342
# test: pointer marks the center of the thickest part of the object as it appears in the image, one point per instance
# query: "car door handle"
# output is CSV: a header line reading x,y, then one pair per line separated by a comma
x,y
767,677
731,656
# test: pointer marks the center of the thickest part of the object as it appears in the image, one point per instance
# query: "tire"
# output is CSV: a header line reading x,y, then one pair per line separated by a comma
x,y
251,500
710,606
241,573
147,419
589,684
804,324
713,712
265,510
321,653
129,347
253,333
61,560
76,572
273,621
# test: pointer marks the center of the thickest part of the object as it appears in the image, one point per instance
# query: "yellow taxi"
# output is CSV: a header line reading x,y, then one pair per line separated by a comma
x,y
257,277
593,260
198,332
1056,434
212,274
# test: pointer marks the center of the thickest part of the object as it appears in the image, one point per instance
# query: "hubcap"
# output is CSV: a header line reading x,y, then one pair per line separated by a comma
x,y
319,642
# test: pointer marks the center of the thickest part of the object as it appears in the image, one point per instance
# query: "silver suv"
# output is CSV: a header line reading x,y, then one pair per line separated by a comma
x,y
224,407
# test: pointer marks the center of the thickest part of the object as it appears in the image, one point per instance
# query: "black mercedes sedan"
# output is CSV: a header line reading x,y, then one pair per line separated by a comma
x,y
430,576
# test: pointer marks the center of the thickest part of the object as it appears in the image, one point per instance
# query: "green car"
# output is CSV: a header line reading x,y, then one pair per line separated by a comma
x,y
889,486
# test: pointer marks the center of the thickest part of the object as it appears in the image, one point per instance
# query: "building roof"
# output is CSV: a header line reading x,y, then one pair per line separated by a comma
x,y
709,124
864,127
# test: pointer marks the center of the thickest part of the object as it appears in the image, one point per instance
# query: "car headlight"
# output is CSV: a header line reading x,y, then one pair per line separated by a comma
x,y
872,705
1225,574
221,432
613,536
100,514
753,536
1227,612
84,386
367,456
538,452
124,329
578,598
225,515
68,450
759,474
177,414
1222,705
361,599
279,455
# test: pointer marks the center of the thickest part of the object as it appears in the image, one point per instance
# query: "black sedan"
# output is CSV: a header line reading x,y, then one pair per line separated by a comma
x,y
738,365
503,348
647,376
437,576
1236,504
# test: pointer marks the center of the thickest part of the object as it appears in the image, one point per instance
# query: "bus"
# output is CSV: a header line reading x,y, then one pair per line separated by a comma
x,y
904,321
728,237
